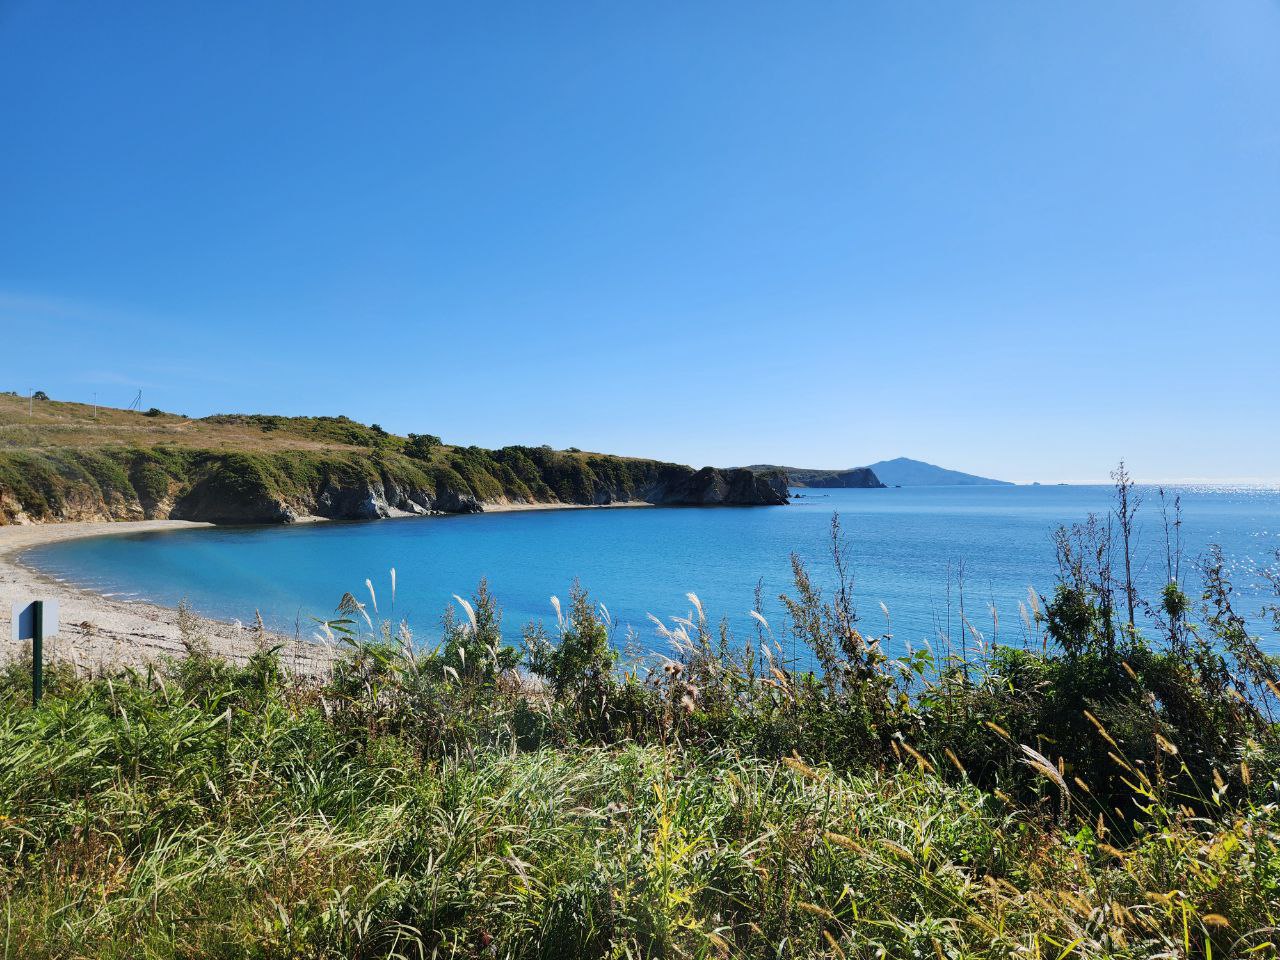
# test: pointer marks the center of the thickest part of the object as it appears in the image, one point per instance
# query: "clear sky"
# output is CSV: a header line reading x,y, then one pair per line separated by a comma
x,y
1020,239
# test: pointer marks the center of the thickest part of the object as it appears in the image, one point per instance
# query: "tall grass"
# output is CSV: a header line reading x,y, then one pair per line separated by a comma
x,y
1082,793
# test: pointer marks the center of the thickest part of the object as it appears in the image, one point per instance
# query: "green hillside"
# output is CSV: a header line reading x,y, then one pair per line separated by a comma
x,y
67,461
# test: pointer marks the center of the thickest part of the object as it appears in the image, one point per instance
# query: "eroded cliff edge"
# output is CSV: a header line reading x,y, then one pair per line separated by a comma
x,y
55,485
67,461
385,489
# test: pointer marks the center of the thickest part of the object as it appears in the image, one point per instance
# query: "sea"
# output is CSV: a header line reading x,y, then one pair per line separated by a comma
x,y
917,554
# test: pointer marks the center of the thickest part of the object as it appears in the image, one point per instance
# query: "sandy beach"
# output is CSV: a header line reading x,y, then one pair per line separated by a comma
x,y
97,631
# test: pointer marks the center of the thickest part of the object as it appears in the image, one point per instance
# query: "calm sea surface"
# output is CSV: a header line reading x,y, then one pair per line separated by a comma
x,y
906,543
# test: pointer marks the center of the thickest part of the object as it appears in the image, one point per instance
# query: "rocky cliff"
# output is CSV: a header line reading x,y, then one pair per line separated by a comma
x,y
708,487
66,461
859,477
233,488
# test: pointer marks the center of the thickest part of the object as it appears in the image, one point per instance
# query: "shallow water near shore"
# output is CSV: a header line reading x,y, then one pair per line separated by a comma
x,y
907,545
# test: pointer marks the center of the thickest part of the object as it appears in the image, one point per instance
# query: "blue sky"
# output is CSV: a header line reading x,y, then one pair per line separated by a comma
x,y
1022,239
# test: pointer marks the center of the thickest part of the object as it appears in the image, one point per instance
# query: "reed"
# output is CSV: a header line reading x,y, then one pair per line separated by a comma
x,y
1079,794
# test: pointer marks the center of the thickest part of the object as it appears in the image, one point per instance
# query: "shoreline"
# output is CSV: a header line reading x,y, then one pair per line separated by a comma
x,y
513,507
99,632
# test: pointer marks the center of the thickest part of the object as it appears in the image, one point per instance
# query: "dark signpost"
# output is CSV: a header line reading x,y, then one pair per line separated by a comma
x,y
35,621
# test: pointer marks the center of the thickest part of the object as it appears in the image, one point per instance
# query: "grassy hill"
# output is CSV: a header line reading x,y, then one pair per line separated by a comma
x,y
66,461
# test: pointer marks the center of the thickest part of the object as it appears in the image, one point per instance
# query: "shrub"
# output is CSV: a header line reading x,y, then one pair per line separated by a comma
x,y
420,446
578,663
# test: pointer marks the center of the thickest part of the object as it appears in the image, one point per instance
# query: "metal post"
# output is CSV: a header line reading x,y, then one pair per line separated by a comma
x,y
37,652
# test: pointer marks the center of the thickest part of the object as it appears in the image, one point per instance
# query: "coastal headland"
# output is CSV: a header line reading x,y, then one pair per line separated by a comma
x,y
62,462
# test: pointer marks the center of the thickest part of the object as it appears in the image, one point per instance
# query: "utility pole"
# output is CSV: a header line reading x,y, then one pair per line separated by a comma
x,y
31,401
95,404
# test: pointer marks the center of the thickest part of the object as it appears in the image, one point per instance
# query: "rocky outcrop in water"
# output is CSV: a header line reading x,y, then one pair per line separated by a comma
x,y
859,477
712,487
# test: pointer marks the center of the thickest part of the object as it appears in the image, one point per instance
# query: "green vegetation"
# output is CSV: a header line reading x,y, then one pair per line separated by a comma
x,y
137,482
1078,793
330,430
70,462
421,446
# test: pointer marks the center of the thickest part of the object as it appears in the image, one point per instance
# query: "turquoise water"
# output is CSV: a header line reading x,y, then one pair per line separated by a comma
x,y
641,561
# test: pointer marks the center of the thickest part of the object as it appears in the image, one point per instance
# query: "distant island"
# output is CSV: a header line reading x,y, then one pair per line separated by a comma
x,y
69,461
900,472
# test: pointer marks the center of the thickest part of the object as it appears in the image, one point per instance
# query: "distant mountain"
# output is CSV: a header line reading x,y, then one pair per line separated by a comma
x,y
902,472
